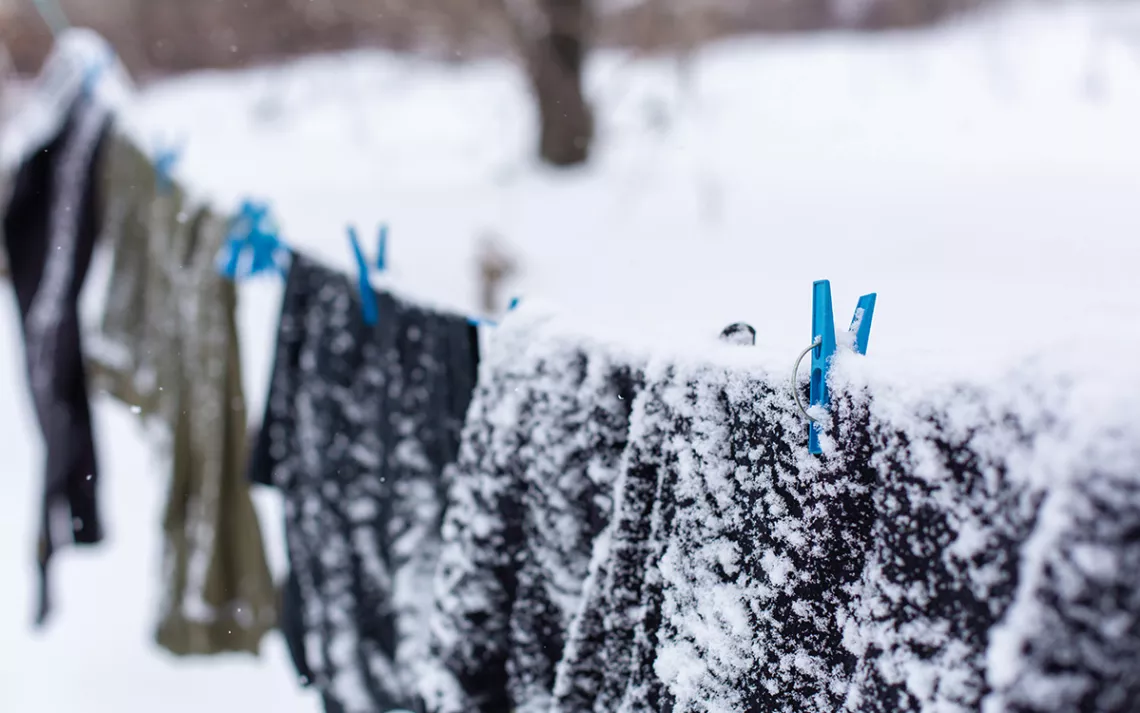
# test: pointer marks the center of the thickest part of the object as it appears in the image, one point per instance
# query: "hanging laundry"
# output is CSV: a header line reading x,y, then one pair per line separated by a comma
x,y
937,556
951,518
49,229
530,493
168,347
360,423
713,586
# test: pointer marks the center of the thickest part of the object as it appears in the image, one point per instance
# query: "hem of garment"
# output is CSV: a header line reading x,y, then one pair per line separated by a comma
x,y
183,637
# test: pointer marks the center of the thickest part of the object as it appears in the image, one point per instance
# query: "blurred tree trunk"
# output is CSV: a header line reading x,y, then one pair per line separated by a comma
x,y
554,52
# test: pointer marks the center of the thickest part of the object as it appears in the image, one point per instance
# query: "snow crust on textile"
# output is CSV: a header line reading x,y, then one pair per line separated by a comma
x,y
958,547
528,495
1071,637
360,423
718,535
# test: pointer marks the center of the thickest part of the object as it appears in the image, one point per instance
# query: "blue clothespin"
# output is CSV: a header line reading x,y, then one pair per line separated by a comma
x,y
164,161
823,337
253,235
367,295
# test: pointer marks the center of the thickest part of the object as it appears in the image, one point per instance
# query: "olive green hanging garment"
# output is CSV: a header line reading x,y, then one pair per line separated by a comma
x,y
169,348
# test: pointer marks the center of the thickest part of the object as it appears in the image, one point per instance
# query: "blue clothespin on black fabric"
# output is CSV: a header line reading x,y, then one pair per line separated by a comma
x,y
367,296
253,245
823,346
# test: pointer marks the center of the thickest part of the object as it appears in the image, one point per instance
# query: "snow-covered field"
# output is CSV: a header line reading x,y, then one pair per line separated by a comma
x,y
983,178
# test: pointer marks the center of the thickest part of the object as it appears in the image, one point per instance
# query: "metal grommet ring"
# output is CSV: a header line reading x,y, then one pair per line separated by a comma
x,y
795,379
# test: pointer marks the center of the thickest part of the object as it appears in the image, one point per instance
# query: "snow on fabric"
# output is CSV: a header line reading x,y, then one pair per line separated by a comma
x,y
359,425
925,563
981,176
528,495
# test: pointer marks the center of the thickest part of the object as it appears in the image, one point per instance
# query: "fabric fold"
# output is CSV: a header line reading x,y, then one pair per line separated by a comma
x,y
529,495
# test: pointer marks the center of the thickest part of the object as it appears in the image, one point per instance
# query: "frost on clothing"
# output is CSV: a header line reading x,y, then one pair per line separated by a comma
x,y
942,558
529,495
1071,638
714,588
49,227
168,347
922,564
360,423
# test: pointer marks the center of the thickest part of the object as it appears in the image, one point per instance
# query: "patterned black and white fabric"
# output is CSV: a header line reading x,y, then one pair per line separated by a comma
x,y
360,424
940,556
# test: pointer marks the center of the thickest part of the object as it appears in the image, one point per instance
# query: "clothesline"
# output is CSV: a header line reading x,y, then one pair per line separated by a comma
x,y
553,524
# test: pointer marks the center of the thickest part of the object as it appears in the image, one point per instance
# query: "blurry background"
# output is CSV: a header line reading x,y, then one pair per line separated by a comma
x,y
158,37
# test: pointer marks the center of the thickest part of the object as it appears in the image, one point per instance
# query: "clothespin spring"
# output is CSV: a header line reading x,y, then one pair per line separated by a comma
x,y
796,379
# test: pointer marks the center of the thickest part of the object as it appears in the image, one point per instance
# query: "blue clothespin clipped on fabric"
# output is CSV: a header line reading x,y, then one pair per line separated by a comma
x,y
165,160
824,343
253,245
367,295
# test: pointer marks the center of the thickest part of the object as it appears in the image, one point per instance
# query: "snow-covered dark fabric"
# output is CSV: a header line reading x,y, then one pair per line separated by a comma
x,y
1070,640
941,562
50,225
530,493
713,588
924,563
360,423
599,665
742,575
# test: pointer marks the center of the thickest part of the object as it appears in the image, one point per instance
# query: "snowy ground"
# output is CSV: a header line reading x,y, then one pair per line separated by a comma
x,y
982,178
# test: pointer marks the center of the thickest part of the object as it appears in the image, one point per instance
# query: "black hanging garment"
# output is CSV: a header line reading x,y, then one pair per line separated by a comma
x,y
50,227
712,588
917,566
530,494
360,423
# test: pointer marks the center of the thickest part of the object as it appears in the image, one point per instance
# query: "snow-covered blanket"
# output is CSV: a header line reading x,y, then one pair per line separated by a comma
x,y
958,548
